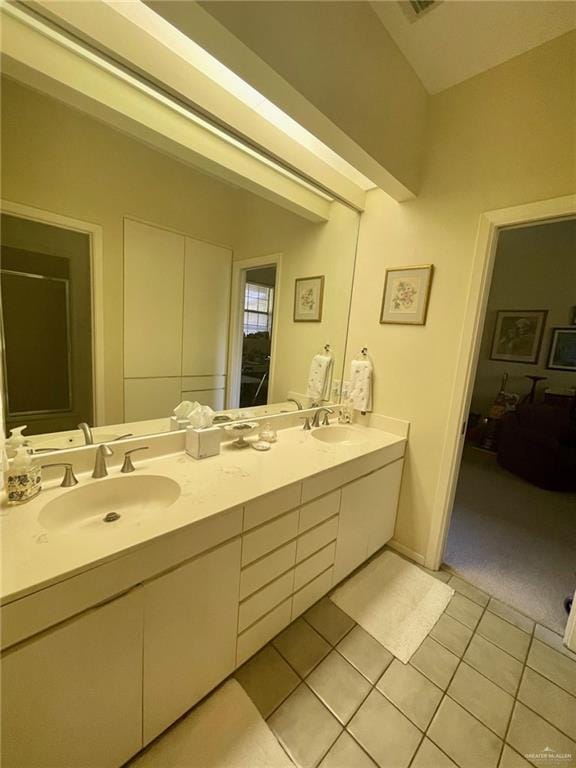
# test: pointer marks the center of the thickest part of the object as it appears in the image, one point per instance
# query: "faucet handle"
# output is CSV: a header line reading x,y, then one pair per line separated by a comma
x,y
306,420
127,466
69,479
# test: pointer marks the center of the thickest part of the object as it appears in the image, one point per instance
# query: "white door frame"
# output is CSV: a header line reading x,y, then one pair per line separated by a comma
x,y
94,232
239,269
490,225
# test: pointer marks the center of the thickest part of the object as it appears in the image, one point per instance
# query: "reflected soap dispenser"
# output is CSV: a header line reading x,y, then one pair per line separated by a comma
x,y
23,479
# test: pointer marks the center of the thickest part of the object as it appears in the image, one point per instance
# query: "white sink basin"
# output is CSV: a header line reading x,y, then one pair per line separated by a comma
x,y
132,498
339,434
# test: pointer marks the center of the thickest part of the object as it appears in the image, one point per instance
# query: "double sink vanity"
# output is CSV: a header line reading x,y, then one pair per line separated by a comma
x,y
126,599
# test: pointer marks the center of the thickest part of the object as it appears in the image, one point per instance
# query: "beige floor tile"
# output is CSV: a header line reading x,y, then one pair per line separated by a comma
x,y
466,611
511,759
267,679
388,737
532,736
304,727
429,756
511,615
436,662
347,754
440,575
482,698
503,634
554,665
494,663
452,634
469,591
365,653
554,640
549,701
411,692
327,619
463,738
301,646
341,687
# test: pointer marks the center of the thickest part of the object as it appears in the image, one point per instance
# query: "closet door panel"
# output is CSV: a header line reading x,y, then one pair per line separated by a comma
x,y
150,398
206,309
153,300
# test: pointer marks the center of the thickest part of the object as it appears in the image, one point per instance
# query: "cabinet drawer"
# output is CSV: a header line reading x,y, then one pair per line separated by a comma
x,y
272,505
316,538
314,565
263,540
258,635
268,568
314,513
311,593
263,601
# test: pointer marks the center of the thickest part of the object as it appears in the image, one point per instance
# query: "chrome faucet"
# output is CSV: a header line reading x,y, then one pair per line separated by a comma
x,y
319,412
87,432
297,402
100,468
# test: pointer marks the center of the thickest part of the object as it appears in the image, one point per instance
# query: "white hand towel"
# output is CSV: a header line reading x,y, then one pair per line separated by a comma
x,y
361,385
319,378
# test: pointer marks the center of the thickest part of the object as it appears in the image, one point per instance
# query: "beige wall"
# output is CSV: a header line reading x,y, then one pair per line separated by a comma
x,y
535,269
503,138
307,250
60,160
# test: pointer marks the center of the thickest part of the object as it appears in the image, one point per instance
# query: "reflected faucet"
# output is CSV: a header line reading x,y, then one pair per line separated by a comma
x,y
87,432
297,402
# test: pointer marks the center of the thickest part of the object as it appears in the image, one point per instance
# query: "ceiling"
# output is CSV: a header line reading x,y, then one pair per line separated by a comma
x,y
461,38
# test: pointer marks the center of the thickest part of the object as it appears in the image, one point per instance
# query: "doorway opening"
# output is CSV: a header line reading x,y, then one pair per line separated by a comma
x,y
257,317
512,530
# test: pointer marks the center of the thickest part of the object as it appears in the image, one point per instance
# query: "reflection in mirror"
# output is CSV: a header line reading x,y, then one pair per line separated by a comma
x,y
131,281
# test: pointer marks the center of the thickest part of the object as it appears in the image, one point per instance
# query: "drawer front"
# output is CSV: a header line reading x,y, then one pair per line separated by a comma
x,y
314,513
258,635
315,539
263,601
272,505
314,565
267,569
311,593
270,536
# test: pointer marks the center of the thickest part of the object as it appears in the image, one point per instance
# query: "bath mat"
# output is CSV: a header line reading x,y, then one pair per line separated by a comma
x,y
394,601
225,731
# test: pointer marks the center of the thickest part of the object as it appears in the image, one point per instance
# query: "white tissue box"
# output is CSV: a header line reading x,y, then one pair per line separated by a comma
x,y
202,443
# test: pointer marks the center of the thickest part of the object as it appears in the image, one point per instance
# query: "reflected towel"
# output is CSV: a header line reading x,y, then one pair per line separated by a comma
x,y
319,378
360,394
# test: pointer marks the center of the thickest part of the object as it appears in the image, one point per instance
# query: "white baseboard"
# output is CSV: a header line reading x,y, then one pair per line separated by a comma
x,y
406,551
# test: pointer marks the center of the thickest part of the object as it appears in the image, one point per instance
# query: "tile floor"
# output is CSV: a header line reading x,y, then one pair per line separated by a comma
x,y
487,689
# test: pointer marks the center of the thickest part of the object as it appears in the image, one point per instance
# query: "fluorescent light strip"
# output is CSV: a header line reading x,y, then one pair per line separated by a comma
x,y
111,68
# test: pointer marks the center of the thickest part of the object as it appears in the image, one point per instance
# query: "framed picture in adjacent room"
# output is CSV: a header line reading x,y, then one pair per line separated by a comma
x,y
406,295
308,298
518,335
562,356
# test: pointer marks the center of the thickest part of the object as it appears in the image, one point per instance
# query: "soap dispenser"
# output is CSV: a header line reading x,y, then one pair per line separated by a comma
x,y
15,441
23,478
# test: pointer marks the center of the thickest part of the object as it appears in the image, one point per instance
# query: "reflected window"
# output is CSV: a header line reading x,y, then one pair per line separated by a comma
x,y
258,308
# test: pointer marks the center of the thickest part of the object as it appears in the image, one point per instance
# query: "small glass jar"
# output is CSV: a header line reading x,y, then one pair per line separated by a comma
x,y
268,433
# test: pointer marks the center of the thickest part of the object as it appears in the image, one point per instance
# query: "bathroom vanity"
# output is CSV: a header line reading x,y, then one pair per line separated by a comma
x,y
110,632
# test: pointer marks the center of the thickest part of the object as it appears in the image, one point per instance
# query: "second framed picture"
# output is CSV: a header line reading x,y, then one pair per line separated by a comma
x,y
406,295
518,335
308,299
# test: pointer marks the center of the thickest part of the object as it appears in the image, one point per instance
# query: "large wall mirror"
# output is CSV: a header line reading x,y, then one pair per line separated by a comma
x,y
131,281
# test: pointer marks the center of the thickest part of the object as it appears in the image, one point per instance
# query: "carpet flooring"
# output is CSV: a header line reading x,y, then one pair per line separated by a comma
x,y
514,540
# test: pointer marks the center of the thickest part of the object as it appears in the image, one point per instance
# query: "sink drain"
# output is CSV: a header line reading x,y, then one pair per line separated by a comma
x,y
111,517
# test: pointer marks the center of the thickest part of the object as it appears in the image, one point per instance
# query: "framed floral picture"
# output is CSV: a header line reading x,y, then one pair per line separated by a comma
x,y
562,356
518,335
406,295
308,298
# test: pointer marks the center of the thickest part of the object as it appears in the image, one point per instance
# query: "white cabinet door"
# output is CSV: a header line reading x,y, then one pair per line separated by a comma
x,y
367,517
191,620
72,696
153,301
207,277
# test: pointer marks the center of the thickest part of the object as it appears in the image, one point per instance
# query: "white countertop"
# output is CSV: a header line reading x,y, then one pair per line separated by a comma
x,y
33,557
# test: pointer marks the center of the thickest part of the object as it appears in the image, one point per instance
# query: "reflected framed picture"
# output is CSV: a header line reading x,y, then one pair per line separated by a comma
x,y
562,356
518,335
406,295
308,299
